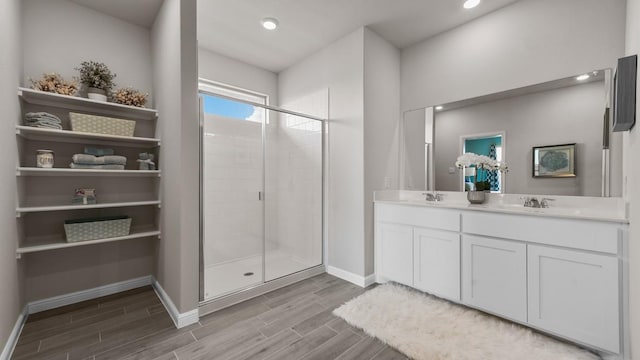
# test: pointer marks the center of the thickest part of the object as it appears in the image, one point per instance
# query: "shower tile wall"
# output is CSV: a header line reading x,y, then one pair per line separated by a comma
x,y
232,176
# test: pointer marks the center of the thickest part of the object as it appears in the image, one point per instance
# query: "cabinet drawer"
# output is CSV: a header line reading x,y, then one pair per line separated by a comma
x,y
435,218
578,234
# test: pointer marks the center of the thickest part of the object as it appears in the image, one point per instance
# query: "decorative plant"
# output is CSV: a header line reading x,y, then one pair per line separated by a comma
x,y
481,163
130,96
55,83
96,75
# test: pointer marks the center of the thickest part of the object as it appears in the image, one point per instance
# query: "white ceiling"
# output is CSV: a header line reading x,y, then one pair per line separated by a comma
x,y
139,12
232,27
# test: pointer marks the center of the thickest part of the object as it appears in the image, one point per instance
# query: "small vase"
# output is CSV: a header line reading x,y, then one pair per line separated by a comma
x,y
44,159
476,197
96,94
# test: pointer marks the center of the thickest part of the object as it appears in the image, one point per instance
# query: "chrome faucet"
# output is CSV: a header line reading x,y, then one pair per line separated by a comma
x,y
435,197
544,203
535,203
531,202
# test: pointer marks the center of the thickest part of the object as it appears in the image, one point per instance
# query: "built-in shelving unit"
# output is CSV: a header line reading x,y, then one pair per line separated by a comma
x,y
35,171
32,209
41,190
74,103
32,133
62,244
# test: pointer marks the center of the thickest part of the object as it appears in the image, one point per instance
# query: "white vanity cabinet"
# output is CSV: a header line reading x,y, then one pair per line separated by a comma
x,y
564,276
394,261
419,247
575,293
494,276
436,262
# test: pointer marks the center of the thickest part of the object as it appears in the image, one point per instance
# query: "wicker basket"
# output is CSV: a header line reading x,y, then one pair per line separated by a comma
x,y
97,228
101,124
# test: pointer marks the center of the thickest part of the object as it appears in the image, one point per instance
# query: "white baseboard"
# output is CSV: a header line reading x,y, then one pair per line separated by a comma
x,y
179,319
351,277
370,280
12,341
79,296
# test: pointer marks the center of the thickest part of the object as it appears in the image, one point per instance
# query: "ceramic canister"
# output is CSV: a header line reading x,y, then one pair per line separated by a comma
x,y
44,158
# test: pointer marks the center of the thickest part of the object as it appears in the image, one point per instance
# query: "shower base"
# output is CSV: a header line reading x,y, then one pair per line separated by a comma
x,y
232,276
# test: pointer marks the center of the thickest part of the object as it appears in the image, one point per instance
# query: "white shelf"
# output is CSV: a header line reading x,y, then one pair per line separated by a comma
x,y
82,104
32,209
62,244
33,133
31,171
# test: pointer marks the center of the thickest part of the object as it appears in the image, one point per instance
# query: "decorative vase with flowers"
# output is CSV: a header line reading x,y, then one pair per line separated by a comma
x,y
97,78
480,163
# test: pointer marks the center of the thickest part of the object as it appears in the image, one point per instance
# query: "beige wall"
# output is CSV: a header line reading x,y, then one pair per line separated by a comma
x,y
175,72
381,120
216,67
338,67
528,42
10,270
632,167
86,35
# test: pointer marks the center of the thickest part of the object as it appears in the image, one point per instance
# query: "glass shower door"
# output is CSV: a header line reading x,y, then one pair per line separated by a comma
x,y
293,199
232,185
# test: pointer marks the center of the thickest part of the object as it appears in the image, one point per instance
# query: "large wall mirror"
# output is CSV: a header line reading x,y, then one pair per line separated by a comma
x,y
565,120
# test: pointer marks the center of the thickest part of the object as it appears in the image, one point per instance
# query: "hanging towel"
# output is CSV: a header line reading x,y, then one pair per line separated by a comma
x,y
86,159
96,167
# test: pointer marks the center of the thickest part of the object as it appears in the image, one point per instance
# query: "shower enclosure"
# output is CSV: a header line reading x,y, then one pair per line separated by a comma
x,y
261,192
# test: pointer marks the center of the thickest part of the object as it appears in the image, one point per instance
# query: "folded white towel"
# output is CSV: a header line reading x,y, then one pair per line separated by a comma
x,y
41,115
96,167
87,159
45,126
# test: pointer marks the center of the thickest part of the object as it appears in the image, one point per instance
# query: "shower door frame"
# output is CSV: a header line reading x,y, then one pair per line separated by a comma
x,y
231,297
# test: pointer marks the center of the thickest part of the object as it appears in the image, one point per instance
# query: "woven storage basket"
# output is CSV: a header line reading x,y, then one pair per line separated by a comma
x,y
101,124
97,228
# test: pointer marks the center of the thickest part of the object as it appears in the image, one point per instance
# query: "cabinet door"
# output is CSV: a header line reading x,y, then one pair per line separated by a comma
x,y
494,276
436,262
394,253
575,294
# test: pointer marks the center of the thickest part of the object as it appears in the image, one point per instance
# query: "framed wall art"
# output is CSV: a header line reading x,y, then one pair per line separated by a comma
x,y
554,161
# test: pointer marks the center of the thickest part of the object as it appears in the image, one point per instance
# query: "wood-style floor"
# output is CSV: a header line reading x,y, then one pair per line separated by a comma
x,y
294,322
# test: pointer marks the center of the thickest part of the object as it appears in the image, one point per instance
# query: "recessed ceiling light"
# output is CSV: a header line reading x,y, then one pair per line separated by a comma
x,y
439,107
582,77
269,23
470,4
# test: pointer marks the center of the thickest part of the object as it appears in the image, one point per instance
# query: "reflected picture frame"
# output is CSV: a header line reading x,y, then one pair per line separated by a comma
x,y
554,161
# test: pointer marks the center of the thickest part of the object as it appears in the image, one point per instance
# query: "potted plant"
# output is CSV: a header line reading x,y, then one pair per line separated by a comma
x,y
480,163
97,78
55,83
130,96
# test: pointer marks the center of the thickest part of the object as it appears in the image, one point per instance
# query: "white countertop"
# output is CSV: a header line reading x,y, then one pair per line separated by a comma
x,y
567,207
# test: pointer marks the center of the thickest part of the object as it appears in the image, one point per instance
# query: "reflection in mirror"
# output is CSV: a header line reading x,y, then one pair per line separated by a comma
x,y
490,145
416,171
563,111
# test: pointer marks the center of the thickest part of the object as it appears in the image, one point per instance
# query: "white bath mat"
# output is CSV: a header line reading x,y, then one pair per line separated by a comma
x,y
424,327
